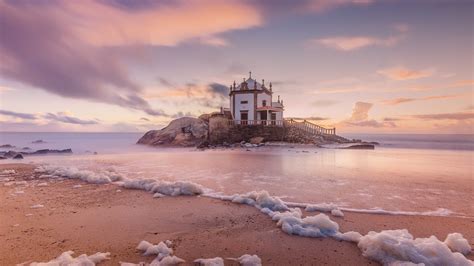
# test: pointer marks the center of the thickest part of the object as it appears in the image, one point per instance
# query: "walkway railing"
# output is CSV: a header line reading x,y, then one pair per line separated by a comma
x,y
257,122
310,127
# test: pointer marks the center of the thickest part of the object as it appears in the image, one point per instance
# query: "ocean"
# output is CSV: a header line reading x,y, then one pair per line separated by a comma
x,y
428,174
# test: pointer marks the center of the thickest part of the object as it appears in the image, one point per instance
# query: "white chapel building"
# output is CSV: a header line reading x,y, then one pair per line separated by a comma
x,y
251,103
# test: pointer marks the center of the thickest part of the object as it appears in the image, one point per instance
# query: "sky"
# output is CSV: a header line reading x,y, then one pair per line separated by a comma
x,y
362,66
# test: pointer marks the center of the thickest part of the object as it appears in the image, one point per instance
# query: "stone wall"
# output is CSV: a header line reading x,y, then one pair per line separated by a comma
x,y
221,131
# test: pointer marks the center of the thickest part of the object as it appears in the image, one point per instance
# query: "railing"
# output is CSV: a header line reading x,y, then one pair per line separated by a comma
x,y
310,127
257,122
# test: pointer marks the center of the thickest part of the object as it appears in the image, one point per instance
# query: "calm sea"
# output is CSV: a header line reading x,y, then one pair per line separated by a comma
x,y
420,173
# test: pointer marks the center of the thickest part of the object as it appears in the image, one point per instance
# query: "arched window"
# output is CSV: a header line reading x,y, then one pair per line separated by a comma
x,y
264,103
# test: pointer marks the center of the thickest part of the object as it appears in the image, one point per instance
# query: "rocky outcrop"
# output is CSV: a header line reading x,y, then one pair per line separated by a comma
x,y
184,131
360,147
13,154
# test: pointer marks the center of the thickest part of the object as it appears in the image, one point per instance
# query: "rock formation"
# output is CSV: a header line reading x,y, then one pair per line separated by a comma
x,y
184,131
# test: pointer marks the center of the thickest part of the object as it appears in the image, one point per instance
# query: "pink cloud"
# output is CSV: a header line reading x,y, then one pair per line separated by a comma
x,y
167,25
397,101
402,73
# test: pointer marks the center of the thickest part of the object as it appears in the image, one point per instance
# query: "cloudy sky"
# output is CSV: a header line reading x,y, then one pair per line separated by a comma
x,y
124,65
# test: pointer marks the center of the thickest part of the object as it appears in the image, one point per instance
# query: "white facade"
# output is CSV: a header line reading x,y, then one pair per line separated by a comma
x,y
251,102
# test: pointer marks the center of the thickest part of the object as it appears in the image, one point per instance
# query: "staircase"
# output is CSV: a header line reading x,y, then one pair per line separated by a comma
x,y
328,134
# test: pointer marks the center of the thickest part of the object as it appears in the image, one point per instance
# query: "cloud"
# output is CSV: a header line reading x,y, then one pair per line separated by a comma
x,y
214,41
355,43
324,103
452,85
445,116
144,119
65,118
360,111
350,43
391,119
18,115
397,101
360,118
62,117
372,123
77,49
208,95
166,24
319,6
402,73
310,118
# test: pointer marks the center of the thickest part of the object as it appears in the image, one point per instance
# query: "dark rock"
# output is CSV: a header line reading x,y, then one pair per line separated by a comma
x,y
184,131
39,141
7,146
203,145
2,157
48,151
360,147
26,148
256,140
10,154
18,156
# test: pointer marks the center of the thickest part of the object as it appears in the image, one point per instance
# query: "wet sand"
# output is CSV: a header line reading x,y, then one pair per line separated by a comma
x,y
97,218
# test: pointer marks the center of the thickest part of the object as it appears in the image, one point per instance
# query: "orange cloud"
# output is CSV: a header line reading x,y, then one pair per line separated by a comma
x,y
350,43
456,84
168,24
436,97
323,5
401,73
354,43
446,116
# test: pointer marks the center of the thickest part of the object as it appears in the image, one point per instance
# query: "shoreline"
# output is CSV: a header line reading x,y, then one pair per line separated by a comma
x,y
81,219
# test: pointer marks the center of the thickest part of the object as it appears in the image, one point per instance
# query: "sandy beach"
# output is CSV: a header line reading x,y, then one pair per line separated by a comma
x,y
90,218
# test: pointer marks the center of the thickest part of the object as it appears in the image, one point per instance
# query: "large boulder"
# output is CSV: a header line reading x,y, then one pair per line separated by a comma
x,y
184,131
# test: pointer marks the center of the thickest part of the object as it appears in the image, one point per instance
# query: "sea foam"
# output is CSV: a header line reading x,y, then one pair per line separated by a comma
x,y
66,258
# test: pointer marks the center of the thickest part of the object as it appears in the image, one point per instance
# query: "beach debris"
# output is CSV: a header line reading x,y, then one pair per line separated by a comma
x,y
77,186
37,206
248,260
66,258
217,261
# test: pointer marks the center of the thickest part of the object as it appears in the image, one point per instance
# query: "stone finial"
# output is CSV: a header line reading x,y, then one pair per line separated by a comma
x,y
278,98
270,86
263,83
250,74
234,84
